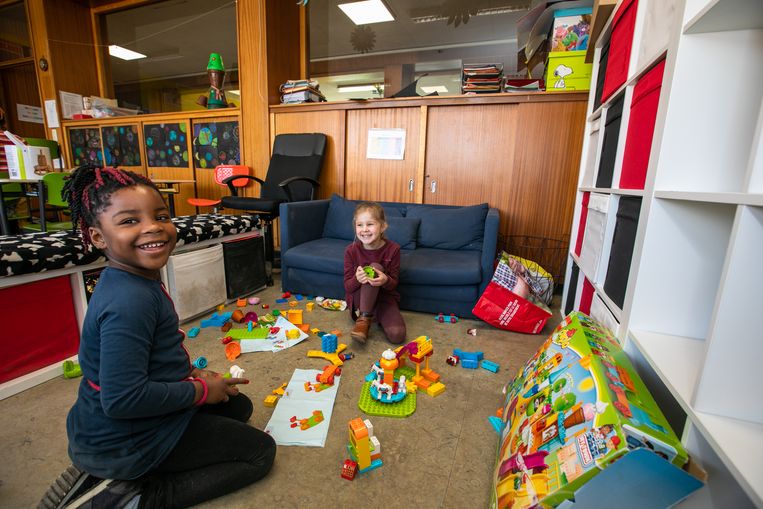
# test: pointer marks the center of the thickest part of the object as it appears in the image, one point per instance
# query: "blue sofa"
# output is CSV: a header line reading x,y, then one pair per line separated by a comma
x,y
447,253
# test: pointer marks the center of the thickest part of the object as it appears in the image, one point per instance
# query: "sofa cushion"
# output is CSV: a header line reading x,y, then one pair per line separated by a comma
x,y
338,223
403,230
451,228
320,255
426,266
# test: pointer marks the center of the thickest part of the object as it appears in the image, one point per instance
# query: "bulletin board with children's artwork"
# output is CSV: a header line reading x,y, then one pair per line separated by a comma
x,y
85,144
121,145
166,145
216,143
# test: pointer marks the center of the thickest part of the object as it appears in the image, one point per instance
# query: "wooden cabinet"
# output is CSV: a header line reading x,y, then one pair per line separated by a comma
x,y
683,292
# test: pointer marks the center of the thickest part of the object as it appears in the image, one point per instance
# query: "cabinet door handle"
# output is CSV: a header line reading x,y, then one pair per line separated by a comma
x,y
433,186
410,186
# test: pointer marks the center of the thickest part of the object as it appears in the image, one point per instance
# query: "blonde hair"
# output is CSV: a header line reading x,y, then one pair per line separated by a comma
x,y
376,211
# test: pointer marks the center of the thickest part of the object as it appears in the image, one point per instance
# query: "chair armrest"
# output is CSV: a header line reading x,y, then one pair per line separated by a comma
x,y
286,183
302,222
229,182
489,246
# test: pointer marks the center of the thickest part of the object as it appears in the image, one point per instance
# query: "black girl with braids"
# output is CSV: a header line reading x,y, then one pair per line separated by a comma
x,y
88,190
148,430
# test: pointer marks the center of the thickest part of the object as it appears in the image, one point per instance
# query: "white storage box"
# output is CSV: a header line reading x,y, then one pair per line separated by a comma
x,y
196,281
27,162
593,240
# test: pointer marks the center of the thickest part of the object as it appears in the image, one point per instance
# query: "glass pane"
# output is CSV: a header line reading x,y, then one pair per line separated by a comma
x,y
428,40
177,38
14,32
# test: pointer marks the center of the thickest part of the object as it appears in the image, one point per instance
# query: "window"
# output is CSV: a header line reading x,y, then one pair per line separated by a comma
x,y
174,40
427,40
14,33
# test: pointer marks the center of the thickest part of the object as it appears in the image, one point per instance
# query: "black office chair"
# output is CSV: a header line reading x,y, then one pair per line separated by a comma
x,y
292,176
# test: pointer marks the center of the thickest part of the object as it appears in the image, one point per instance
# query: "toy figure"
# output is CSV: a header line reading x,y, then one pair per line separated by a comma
x,y
216,73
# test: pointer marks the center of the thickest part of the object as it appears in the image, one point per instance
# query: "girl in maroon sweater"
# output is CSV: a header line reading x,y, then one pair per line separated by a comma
x,y
372,293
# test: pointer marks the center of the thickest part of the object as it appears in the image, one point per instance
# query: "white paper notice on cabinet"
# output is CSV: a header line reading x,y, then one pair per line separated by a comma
x,y
386,144
27,113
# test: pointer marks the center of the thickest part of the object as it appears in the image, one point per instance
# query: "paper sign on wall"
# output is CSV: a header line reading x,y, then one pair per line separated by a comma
x,y
71,104
386,144
52,114
28,113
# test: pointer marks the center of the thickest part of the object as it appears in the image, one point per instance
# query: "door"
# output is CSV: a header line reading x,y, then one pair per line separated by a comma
x,y
18,86
382,179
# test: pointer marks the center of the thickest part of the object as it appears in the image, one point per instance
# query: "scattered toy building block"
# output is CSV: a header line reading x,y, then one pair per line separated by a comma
x,y
472,332
329,372
200,362
232,350
226,326
281,390
329,343
496,423
241,303
286,295
310,306
281,301
309,422
216,320
452,360
305,327
469,360
349,469
490,366
193,332
270,401
436,389
265,306
298,297
337,333
71,369
220,307
333,358
294,316
293,303
226,340
292,334
446,319
237,316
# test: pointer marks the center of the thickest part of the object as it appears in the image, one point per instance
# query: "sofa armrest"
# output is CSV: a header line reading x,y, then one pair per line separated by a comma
x,y
302,222
489,246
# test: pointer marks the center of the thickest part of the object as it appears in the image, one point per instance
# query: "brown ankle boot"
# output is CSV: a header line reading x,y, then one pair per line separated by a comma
x,y
360,331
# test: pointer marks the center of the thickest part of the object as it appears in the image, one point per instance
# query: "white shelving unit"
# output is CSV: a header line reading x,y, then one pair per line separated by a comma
x,y
692,301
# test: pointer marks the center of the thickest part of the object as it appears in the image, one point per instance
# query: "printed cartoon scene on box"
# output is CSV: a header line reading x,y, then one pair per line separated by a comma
x,y
572,410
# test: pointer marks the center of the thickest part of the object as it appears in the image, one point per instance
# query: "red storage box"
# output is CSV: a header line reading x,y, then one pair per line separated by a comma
x,y
586,297
638,143
39,326
581,227
620,43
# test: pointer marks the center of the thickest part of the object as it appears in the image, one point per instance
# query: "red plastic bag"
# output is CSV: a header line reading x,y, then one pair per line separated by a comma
x,y
506,310
513,298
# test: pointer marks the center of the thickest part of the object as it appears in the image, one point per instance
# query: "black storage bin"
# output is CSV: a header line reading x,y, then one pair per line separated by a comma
x,y
621,254
609,145
244,266
604,56
572,289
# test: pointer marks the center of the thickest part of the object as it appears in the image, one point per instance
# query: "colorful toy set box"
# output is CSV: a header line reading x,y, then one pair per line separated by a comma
x,y
578,409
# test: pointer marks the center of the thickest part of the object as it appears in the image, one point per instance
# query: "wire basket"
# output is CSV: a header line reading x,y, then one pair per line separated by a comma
x,y
548,252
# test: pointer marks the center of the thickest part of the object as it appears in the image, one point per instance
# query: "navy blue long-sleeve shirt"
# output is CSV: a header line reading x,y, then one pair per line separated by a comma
x,y
134,403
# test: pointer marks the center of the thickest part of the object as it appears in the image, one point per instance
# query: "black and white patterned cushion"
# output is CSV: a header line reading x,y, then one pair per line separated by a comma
x,y
38,252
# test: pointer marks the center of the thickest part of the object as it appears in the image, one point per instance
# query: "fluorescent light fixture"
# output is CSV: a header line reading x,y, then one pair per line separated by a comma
x,y
344,89
367,12
124,53
440,89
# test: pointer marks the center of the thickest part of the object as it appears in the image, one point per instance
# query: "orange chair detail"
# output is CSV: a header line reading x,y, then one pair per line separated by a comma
x,y
222,172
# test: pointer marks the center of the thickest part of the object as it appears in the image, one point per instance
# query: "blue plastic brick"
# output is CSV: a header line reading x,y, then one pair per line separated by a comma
x,y
193,332
329,343
496,422
469,364
281,301
490,366
216,320
298,297
468,356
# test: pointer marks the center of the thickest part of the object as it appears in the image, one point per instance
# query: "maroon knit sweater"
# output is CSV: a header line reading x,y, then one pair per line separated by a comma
x,y
388,256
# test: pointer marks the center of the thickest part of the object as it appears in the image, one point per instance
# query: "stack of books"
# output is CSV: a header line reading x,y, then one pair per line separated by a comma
x,y
523,85
301,91
481,78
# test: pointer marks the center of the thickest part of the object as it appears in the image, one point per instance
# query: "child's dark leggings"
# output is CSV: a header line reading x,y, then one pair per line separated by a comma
x,y
218,453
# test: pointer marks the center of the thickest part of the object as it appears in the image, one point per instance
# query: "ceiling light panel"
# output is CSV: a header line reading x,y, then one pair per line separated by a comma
x,y
124,53
367,12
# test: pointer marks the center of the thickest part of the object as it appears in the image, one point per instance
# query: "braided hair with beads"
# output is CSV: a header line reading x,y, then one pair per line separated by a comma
x,y
88,191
